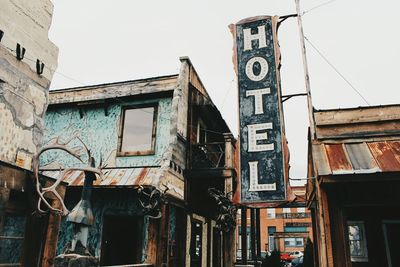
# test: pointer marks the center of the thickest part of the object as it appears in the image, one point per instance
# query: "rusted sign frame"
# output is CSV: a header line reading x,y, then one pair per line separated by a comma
x,y
263,199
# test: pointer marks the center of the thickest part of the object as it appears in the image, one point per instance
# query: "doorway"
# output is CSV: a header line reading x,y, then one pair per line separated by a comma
x,y
391,231
196,244
122,240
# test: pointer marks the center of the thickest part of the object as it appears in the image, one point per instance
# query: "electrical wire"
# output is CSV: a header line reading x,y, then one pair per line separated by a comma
x,y
318,6
336,70
47,67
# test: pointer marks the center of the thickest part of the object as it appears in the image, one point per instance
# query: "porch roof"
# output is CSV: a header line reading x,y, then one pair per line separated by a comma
x,y
357,157
113,177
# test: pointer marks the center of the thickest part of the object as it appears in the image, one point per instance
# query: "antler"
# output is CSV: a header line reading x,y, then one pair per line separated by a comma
x,y
42,191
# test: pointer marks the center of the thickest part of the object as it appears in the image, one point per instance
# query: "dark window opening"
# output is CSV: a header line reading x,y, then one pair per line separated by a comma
x,y
122,240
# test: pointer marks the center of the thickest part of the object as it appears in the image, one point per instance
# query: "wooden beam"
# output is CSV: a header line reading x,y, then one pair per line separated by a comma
x,y
153,237
50,246
4,196
162,245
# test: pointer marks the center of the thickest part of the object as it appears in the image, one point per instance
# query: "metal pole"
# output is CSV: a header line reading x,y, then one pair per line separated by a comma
x,y
253,234
306,74
244,234
258,234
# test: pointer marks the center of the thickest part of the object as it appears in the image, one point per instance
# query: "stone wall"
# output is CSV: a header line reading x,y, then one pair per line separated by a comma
x,y
23,92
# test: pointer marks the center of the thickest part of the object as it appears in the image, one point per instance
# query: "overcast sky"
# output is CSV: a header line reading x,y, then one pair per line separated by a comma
x,y
108,41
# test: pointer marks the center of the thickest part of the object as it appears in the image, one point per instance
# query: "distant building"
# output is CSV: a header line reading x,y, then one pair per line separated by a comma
x,y
354,185
27,63
284,228
159,133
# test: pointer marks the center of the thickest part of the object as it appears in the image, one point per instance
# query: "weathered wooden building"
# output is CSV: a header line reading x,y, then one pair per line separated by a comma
x,y
27,62
353,187
159,133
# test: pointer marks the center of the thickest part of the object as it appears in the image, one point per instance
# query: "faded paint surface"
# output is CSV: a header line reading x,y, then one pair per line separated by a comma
x,y
24,93
100,133
110,203
28,23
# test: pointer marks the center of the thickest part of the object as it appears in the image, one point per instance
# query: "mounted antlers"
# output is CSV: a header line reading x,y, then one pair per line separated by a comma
x,y
76,152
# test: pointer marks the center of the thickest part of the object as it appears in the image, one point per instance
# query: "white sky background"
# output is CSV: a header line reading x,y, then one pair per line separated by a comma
x,y
108,41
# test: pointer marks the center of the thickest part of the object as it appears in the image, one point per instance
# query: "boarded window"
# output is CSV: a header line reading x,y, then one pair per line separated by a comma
x,y
138,131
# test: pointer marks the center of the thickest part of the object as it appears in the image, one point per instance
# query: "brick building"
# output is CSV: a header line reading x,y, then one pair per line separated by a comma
x,y
284,228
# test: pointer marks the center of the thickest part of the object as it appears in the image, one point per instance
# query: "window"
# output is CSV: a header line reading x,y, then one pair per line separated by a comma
x,y
301,210
201,132
271,213
357,241
286,210
295,229
138,131
294,242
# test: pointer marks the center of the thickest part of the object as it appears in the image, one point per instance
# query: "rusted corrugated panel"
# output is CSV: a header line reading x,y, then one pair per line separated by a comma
x,y
361,158
395,145
385,156
112,177
321,160
337,158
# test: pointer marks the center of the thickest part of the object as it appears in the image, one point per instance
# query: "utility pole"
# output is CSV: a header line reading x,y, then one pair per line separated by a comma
x,y
306,74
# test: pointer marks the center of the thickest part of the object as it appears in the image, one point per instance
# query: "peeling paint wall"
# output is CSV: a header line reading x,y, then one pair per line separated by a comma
x,y
100,133
23,92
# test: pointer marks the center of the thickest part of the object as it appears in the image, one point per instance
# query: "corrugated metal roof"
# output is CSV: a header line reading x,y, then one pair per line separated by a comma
x,y
112,177
353,158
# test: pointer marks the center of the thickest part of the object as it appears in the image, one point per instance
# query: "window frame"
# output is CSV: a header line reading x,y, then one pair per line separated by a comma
x,y
363,241
271,213
151,151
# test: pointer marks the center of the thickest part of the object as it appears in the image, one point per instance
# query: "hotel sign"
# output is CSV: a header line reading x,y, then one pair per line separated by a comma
x,y
260,111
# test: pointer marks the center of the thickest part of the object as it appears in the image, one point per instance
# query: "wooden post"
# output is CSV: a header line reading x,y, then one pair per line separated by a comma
x,y
162,244
50,246
229,156
244,234
253,234
152,242
258,235
4,196
306,74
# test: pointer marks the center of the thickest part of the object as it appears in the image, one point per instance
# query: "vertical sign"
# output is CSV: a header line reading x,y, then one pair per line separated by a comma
x,y
260,111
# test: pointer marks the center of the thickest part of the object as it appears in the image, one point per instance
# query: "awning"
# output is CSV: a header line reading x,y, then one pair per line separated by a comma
x,y
357,158
116,177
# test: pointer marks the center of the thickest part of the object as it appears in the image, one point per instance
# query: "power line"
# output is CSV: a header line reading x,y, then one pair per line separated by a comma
x,y
53,70
336,70
318,6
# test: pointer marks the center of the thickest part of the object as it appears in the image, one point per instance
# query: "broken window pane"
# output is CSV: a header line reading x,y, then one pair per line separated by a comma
x,y
357,241
138,129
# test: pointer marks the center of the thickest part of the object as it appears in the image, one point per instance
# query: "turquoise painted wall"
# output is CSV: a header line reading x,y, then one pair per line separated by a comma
x,y
100,133
110,202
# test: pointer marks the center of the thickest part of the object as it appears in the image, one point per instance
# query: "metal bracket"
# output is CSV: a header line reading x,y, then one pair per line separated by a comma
x,y
287,97
283,18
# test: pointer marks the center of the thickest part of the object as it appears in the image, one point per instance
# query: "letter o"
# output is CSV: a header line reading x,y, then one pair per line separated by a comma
x,y
249,69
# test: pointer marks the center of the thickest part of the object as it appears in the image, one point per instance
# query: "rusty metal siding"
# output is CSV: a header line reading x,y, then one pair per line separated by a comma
x,y
112,177
385,156
338,159
360,157
321,160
